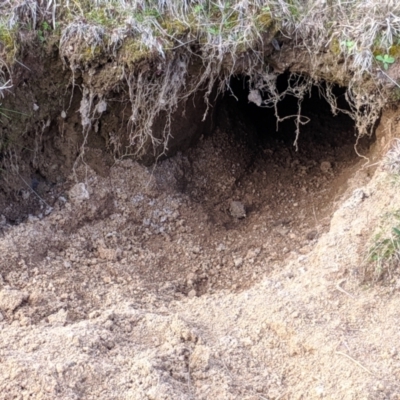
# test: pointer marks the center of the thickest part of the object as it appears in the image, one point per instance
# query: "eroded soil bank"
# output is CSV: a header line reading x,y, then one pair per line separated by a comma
x,y
231,270
162,236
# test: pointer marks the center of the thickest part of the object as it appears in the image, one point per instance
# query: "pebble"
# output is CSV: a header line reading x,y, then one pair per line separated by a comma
x,y
196,249
380,386
238,262
60,369
311,235
94,314
108,324
192,294
253,253
255,97
283,230
326,166
221,247
237,209
78,193
58,318
10,299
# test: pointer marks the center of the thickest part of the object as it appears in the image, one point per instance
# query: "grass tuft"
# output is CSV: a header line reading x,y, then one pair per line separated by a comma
x,y
384,253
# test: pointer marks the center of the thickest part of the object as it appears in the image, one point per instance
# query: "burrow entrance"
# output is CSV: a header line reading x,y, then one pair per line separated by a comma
x,y
170,229
288,194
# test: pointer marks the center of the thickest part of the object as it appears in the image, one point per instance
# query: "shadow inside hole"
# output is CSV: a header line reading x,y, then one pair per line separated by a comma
x,y
257,127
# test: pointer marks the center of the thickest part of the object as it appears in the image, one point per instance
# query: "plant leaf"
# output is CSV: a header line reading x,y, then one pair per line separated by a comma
x,y
396,231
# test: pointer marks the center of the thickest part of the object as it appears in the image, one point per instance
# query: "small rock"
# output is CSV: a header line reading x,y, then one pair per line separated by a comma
x,y
326,166
108,324
10,299
94,314
237,210
62,200
305,250
78,193
380,386
58,318
238,262
283,230
253,253
192,294
221,247
255,97
109,344
32,219
200,358
48,210
196,249
311,235
357,197
101,107
60,369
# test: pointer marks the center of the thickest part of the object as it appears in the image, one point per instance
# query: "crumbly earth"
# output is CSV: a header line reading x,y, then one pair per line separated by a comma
x,y
142,284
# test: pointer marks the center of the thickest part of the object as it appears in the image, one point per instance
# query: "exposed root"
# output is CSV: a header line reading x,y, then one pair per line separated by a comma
x,y
165,39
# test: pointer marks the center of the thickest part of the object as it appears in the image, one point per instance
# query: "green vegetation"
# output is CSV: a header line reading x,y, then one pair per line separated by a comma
x,y
383,256
5,112
386,60
8,44
43,31
349,44
384,253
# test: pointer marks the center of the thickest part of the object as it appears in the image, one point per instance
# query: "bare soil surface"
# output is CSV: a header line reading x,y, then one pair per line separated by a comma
x,y
229,271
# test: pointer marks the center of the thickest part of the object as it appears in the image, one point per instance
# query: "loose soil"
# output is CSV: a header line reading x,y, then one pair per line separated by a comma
x,y
232,270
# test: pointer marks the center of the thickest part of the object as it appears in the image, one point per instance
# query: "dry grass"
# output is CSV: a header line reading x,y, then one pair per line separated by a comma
x,y
384,253
224,38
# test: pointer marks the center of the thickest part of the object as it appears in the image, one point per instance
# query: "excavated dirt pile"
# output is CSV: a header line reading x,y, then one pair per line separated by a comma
x,y
231,270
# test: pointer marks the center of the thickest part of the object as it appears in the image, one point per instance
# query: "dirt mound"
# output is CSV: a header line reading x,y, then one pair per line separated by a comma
x,y
149,283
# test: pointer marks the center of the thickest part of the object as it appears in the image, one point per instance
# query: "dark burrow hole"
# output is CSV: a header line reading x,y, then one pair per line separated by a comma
x,y
251,194
249,158
286,193
325,134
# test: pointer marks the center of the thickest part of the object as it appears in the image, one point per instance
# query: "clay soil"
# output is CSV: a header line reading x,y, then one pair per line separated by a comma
x,y
232,270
